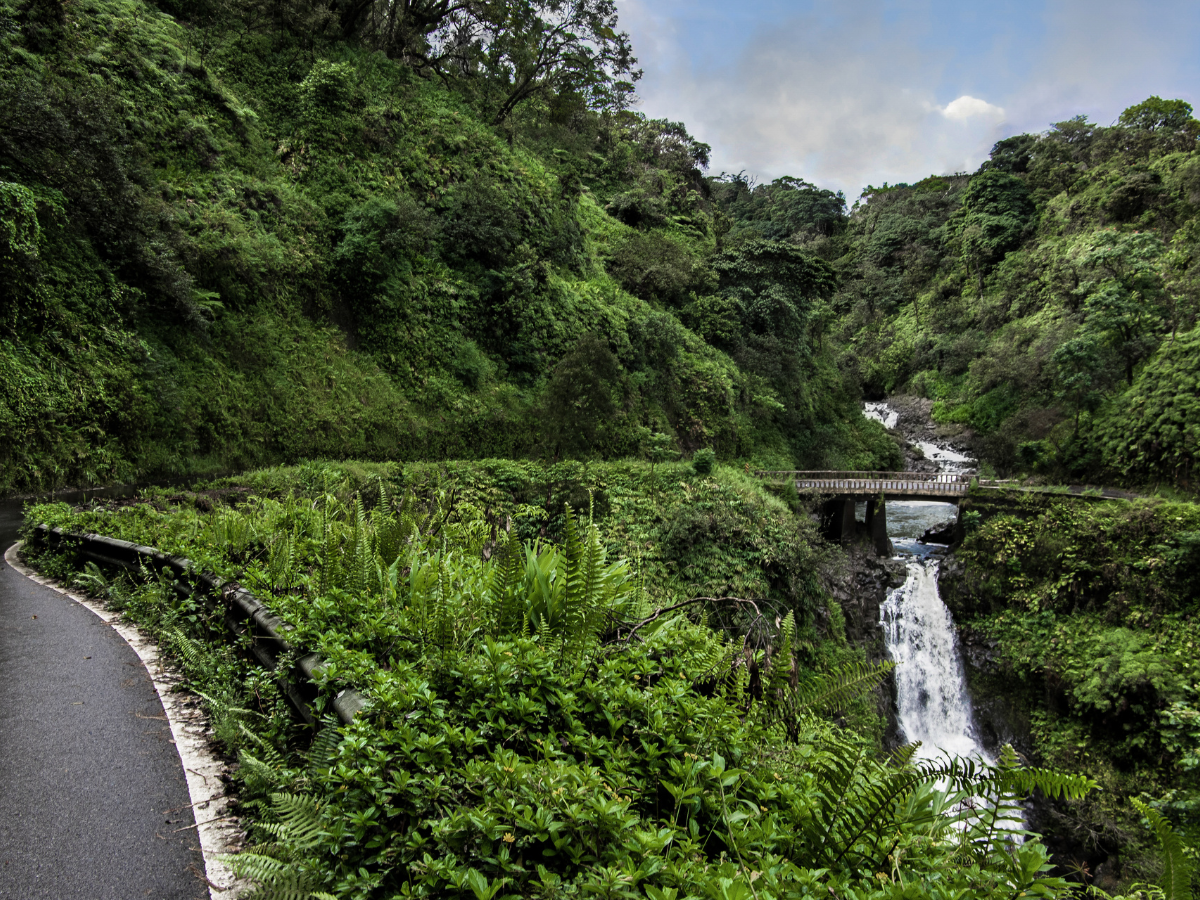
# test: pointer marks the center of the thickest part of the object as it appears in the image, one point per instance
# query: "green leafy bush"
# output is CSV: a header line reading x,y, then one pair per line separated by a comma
x,y
1091,610
703,461
534,723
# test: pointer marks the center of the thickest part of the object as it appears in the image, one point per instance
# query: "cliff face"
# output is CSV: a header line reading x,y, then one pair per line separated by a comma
x,y
226,244
859,590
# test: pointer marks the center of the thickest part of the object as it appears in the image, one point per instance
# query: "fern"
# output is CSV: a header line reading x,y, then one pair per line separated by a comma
x,y
581,557
92,581
275,880
190,652
279,870
264,767
1177,868
323,748
257,774
822,695
281,560
507,612
862,801
299,825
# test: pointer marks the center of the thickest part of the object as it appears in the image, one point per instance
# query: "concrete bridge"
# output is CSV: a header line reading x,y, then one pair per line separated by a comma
x,y
842,490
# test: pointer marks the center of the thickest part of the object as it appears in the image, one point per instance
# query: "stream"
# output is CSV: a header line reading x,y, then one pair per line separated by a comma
x,y
933,706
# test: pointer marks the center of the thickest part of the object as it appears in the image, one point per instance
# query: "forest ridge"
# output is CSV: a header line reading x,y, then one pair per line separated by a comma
x,y
242,232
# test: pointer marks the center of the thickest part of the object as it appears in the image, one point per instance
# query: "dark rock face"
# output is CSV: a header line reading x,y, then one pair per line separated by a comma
x,y
1002,716
953,589
941,533
915,423
860,590
1001,720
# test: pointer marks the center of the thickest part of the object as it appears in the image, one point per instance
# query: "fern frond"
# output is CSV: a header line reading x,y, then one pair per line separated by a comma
x,y
190,652
266,749
255,772
276,880
323,748
1177,868
299,825
1058,785
92,580
256,866
835,690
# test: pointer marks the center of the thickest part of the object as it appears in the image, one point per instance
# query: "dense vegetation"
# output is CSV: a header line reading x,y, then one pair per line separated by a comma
x,y
1087,614
257,233
242,232
546,719
1047,302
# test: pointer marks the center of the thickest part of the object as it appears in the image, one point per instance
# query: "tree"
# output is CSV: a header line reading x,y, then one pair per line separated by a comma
x,y
1078,363
580,406
1012,155
782,209
519,48
776,285
655,267
1155,430
557,47
1063,153
1125,298
998,215
426,34
1156,114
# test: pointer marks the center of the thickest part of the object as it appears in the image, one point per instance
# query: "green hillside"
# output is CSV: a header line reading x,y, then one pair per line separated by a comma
x,y
1047,302
255,235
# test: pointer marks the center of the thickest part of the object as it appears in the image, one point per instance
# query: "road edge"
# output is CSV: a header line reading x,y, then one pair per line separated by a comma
x,y
219,831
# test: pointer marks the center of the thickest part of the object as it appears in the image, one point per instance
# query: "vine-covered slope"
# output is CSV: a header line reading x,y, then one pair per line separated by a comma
x,y
245,237
546,718
1080,624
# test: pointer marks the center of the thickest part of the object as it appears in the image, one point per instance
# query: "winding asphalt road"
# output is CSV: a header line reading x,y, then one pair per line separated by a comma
x,y
93,800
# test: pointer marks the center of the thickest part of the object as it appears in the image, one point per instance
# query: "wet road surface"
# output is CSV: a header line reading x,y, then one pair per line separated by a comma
x,y
93,800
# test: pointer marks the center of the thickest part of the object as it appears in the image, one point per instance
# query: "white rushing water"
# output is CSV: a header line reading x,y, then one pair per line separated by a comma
x,y
931,692
933,706
946,459
882,413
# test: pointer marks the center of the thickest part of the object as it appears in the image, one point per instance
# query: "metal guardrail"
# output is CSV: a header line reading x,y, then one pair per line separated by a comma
x,y
245,614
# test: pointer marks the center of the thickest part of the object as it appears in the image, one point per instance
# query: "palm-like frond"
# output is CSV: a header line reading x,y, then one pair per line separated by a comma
x,y
1176,880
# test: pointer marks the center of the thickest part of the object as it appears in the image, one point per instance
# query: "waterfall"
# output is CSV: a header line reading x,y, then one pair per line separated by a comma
x,y
933,706
931,692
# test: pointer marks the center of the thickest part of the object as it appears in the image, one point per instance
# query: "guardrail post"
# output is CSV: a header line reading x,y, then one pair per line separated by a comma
x,y
244,614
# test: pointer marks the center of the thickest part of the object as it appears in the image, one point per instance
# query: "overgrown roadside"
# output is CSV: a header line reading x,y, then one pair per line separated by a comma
x,y
541,719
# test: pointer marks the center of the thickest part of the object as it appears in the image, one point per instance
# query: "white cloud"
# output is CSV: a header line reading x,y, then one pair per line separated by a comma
x,y
968,107
851,93
840,101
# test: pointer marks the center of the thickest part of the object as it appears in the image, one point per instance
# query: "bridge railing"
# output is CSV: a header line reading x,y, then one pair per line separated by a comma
x,y
954,478
950,484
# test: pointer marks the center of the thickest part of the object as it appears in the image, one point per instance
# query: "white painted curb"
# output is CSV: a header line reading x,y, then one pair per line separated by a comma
x,y
218,830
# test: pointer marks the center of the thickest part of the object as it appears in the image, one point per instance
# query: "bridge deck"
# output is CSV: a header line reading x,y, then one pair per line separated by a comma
x,y
926,485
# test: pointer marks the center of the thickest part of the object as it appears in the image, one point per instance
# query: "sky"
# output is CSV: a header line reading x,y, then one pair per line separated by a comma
x,y
853,93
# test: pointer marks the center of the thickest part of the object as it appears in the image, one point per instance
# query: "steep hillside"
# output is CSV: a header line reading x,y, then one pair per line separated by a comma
x,y
263,233
1047,302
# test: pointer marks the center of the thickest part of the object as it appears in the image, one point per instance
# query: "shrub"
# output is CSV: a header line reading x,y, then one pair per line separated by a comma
x,y
703,461
655,267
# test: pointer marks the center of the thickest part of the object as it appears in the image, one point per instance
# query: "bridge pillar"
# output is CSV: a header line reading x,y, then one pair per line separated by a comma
x,y
846,528
837,519
877,526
